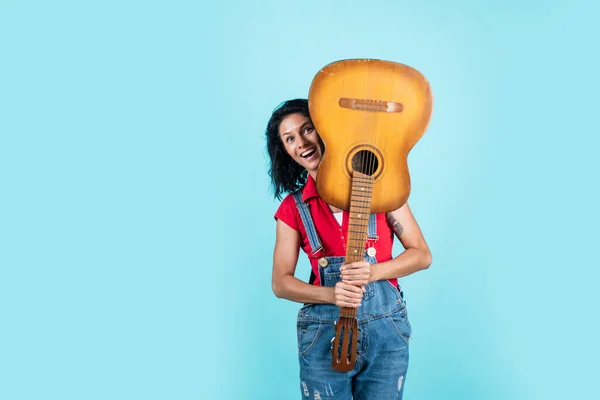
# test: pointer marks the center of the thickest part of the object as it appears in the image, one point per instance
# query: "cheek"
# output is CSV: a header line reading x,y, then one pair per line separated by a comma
x,y
288,148
320,146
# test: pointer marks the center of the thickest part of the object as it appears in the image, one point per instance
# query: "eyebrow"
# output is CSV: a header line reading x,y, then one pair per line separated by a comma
x,y
301,127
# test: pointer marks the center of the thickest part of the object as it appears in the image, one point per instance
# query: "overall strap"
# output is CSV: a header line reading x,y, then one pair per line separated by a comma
x,y
309,226
373,227
313,238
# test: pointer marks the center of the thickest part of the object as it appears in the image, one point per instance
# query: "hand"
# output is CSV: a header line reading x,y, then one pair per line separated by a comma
x,y
357,273
345,295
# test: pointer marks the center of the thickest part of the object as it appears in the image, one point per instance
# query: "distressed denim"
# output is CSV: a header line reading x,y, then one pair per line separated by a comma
x,y
384,331
382,351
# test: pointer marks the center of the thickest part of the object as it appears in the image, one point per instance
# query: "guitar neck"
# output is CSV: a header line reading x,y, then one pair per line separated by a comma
x,y
358,225
360,210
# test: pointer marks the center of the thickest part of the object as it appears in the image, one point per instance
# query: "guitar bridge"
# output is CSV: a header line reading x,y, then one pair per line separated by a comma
x,y
371,105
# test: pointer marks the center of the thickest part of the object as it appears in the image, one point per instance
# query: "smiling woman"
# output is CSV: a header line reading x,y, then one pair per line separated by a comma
x,y
302,142
305,221
291,119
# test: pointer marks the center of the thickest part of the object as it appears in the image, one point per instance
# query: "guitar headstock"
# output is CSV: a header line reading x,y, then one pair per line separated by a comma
x,y
343,350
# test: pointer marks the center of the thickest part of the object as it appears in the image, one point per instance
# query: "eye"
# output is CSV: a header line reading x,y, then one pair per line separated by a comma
x,y
308,129
289,139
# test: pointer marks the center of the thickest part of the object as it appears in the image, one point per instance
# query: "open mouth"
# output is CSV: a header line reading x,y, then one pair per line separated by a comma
x,y
308,154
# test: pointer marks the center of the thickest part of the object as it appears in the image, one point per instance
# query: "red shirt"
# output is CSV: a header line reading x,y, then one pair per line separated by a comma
x,y
333,237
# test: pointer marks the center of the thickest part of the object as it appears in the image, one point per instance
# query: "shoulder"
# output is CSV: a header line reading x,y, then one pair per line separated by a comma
x,y
397,219
288,212
403,210
288,202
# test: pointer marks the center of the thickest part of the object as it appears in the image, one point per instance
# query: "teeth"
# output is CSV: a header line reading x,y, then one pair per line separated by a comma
x,y
307,152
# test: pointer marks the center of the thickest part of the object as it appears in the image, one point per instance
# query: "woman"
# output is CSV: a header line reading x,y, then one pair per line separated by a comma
x,y
305,221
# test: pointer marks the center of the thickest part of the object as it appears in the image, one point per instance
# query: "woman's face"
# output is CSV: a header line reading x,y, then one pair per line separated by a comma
x,y
301,141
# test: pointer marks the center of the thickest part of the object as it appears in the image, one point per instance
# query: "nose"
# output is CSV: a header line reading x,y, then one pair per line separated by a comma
x,y
302,141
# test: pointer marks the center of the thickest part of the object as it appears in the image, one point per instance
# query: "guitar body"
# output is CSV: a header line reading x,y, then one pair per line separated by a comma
x,y
369,113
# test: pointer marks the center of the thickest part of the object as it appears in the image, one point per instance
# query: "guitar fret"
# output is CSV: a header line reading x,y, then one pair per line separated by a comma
x,y
355,246
364,212
360,204
360,227
359,240
354,231
356,242
357,252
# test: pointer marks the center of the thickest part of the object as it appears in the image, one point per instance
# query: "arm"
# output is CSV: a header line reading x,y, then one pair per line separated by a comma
x,y
285,285
285,257
417,255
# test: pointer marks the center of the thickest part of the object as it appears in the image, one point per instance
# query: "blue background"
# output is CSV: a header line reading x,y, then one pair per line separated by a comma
x,y
136,229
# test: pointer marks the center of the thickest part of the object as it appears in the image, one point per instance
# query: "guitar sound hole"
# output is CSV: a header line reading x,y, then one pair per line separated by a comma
x,y
366,162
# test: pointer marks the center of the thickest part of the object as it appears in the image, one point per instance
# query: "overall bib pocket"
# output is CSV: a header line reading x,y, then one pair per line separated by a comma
x,y
331,275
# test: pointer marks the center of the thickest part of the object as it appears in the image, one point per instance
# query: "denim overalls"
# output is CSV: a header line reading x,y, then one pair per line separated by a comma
x,y
382,349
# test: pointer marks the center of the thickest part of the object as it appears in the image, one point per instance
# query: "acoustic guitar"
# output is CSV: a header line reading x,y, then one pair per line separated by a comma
x,y
369,114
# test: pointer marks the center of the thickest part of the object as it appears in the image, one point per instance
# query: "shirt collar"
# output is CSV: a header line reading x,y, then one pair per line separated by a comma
x,y
310,189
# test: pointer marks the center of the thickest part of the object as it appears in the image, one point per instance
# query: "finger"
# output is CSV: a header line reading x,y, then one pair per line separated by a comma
x,y
350,272
356,270
353,300
350,305
352,295
350,288
347,300
355,273
342,294
354,265
360,282
351,279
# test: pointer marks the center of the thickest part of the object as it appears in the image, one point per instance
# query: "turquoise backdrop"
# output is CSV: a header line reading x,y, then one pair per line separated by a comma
x,y
136,229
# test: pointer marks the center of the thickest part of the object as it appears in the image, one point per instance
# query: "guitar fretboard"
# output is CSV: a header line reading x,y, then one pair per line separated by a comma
x,y
360,210
358,225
